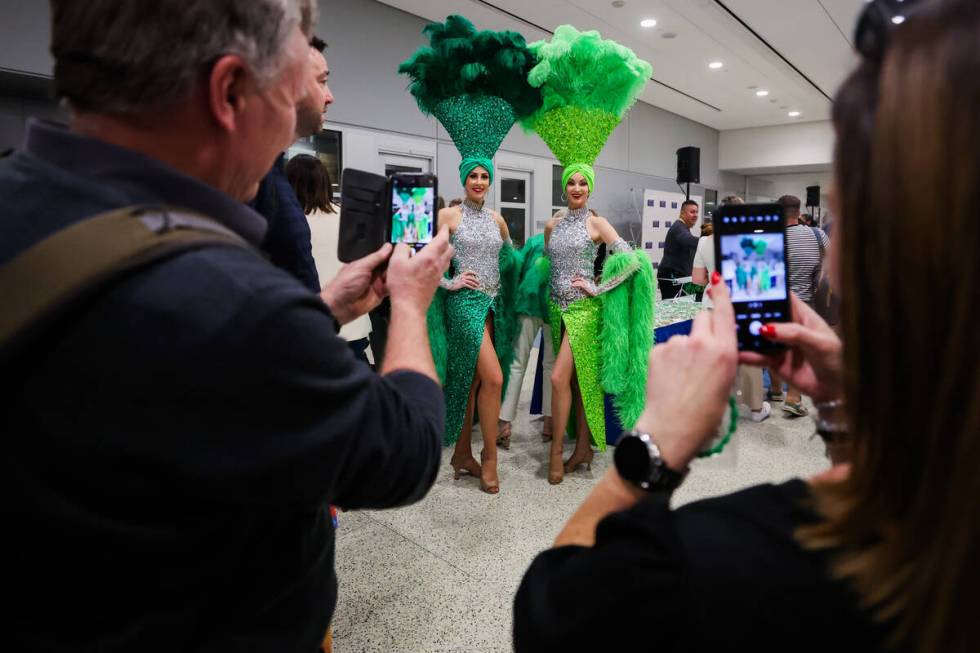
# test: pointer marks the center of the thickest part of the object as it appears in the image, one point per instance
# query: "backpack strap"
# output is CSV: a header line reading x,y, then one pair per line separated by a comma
x,y
75,263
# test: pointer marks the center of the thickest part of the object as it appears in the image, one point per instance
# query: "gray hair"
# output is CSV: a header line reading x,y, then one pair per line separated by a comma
x,y
125,56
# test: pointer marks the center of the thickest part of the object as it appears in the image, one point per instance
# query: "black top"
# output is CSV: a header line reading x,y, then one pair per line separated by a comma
x,y
723,574
679,248
169,451
287,240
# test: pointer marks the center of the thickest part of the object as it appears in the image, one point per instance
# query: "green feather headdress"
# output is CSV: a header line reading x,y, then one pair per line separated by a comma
x,y
587,85
474,82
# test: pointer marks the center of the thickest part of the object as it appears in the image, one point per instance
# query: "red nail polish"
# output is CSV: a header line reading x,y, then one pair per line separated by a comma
x,y
715,278
768,330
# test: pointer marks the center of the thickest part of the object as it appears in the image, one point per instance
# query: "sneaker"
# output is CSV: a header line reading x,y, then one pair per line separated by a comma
x,y
797,410
774,396
764,413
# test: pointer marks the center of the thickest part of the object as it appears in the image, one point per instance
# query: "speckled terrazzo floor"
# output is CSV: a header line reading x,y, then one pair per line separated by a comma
x,y
441,575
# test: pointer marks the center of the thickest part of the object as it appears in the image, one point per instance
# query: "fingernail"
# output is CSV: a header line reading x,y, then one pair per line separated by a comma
x,y
715,278
768,330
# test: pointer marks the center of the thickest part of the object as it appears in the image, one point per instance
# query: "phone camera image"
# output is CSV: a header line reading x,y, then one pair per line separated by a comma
x,y
754,266
412,214
750,246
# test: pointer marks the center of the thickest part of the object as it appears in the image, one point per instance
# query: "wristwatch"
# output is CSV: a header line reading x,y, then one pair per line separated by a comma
x,y
638,461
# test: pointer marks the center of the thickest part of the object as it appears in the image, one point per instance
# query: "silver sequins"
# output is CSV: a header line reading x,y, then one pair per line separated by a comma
x,y
572,253
477,241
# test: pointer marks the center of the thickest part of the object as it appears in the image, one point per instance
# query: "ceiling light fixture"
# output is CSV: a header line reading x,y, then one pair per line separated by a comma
x,y
649,22
793,114
898,20
762,92
715,65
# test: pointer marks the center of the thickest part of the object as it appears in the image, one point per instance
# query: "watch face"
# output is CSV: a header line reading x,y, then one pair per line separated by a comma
x,y
632,459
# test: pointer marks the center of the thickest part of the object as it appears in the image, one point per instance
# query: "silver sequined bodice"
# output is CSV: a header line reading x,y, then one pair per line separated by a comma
x,y
477,241
572,255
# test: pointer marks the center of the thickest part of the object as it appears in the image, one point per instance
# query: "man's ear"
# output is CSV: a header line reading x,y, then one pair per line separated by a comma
x,y
228,86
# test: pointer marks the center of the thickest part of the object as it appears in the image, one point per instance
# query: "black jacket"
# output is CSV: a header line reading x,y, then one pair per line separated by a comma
x,y
170,449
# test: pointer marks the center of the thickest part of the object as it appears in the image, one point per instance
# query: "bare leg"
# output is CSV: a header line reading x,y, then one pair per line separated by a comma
x,y
463,460
491,381
776,387
561,403
583,437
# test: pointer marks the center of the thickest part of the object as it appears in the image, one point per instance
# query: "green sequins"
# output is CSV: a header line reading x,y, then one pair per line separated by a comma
x,y
582,320
576,134
476,123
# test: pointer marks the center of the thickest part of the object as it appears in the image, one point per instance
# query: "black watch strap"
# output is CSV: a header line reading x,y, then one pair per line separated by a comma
x,y
638,460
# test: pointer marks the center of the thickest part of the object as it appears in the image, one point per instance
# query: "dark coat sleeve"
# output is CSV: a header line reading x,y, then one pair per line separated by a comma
x,y
287,240
602,598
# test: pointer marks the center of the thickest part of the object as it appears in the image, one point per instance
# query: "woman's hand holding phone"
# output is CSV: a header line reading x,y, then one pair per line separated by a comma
x,y
813,359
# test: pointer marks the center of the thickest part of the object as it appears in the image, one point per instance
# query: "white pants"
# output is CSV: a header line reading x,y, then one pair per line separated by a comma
x,y
522,351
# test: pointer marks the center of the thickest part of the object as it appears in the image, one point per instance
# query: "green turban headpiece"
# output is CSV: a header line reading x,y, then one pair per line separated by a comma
x,y
587,86
475,83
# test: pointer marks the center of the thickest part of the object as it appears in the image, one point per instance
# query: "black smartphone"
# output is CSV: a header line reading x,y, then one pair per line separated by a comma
x,y
363,228
413,215
750,254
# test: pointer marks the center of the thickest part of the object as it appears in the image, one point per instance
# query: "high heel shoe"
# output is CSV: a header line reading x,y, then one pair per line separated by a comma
x,y
503,436
493,486
575,461
468,466
556,473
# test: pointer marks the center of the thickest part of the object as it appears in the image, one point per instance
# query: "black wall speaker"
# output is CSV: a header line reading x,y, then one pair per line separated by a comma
x,y
813,195
689,165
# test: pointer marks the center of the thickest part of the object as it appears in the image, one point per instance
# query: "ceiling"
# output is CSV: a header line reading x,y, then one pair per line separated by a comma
x,y
813,36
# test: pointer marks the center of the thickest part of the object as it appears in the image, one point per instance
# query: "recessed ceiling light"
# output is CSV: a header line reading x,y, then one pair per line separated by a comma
x,y
751,88
649,22
618,4
669,35
898,20
715,65
793,114
762,92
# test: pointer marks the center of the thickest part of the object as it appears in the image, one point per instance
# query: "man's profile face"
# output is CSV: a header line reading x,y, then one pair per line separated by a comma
x,y
312,109
268,122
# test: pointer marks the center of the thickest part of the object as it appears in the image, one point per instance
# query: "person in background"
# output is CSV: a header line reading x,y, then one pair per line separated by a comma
x,y
287,239
440,204
805,247
532,313
881,553
749,379
171,444
679,250
456,201
311,182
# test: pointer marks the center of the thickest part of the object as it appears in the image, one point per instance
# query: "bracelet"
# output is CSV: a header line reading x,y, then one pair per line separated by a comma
x,y
719,446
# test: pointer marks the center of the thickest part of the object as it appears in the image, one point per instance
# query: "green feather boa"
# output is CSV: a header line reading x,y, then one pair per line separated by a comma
x,y
532,293
627,333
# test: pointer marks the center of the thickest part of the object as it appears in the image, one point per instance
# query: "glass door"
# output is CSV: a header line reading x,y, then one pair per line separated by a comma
x,y
514,202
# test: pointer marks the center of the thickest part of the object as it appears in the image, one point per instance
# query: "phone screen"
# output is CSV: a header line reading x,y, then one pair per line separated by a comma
x,y
413,209
750,250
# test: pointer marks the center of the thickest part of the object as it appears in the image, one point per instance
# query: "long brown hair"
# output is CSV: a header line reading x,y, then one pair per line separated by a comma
x,y
904,528
311,183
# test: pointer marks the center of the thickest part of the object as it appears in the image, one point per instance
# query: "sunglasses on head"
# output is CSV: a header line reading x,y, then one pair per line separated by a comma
x,y
875,24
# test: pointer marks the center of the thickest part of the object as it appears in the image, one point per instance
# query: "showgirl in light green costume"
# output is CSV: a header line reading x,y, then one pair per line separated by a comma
x,y
475,83
587,86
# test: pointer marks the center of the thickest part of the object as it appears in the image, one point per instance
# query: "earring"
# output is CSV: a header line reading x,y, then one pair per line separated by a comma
x,y
563,198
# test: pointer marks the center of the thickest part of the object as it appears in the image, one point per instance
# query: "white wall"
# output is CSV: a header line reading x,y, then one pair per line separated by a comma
x,y
373,109
759,149
770,187
371,98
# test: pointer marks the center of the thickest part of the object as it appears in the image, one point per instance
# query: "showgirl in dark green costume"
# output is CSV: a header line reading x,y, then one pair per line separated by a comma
x,y
475,83
587,86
